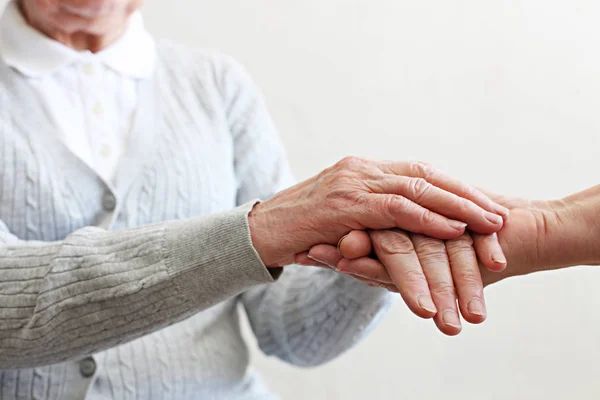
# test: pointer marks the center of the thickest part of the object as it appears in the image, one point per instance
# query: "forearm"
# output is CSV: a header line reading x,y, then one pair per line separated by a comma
x,y
97,289
569,232
546,236
576,237
312,315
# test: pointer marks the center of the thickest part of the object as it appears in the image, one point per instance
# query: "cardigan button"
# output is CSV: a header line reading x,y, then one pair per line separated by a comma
x,y
87,367
109,201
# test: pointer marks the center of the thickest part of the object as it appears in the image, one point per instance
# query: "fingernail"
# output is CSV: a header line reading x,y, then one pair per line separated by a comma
x,y
493,218
322,262
426,303
499,259
459,226
451,319
476,307
339,245
501,210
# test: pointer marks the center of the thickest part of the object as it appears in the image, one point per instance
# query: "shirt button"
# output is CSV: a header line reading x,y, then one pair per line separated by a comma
x,y
87,367
88,69
98,109
109,202
105,151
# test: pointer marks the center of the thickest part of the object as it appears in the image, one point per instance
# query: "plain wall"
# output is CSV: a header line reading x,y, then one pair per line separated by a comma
x,y
503,94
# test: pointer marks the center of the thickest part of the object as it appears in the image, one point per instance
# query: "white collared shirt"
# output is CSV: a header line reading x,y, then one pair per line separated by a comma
x,y
92,97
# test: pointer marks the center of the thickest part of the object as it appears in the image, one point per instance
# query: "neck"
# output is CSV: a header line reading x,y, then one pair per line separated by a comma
x,y
83,41
78,40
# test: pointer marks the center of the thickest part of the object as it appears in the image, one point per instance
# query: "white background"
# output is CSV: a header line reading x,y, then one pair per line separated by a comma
x,y
501,93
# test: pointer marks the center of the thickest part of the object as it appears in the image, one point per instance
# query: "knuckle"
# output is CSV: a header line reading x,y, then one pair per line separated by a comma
x,y
467,278
443,289
434,261
351,162
422,169
394,205
464,241
428,245
461,252
418,187
463,207
438,257
432,252
414,278
428,218
468,191
461,247
396,243
386,206
398,203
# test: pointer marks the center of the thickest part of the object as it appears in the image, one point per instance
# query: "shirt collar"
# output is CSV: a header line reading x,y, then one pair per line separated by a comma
x,y
36,55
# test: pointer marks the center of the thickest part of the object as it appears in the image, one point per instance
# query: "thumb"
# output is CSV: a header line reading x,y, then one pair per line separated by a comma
x,y
356,244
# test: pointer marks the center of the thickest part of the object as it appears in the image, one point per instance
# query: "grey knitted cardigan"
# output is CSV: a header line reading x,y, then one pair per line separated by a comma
x,y
129,289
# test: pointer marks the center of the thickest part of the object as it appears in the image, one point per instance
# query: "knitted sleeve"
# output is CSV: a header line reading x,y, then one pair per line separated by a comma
x,y
96,289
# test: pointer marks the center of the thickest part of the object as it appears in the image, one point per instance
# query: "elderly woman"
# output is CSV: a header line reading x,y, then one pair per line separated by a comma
x,y
130,226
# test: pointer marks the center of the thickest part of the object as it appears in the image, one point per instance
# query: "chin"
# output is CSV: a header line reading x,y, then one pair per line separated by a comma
x,y
94,9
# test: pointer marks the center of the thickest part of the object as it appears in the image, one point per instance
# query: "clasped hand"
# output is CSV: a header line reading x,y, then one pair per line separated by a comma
x,y
421,222
430,274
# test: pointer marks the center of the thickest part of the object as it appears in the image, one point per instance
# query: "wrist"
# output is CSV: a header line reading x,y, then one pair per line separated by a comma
x,y
548,235
579,215
570,234
260,235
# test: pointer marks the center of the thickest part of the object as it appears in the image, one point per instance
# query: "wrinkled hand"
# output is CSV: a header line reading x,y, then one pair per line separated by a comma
x,y
358,194
538,235
428,273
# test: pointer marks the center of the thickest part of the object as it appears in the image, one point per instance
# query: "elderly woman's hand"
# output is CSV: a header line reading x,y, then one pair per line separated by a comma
x,y
419,268
357,194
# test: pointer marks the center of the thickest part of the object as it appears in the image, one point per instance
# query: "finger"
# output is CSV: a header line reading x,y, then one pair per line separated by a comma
x,y
443,202
446,182
390,287
355,244
410,216
324,254
307,261
489,253
467,278
366,268
395,250
436,267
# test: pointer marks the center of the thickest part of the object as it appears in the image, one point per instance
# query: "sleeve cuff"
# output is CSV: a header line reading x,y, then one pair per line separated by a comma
x,y
212,258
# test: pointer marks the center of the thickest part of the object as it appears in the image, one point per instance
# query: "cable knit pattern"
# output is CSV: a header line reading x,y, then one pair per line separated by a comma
x,y
139,299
